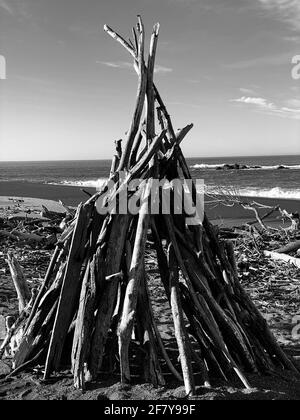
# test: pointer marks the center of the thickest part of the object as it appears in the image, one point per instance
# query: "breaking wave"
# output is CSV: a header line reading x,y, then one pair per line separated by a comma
x,y
91,183
244,167
276,192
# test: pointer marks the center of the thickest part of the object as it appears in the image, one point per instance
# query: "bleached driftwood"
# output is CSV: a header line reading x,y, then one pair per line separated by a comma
x,y
19,281
16,236
293,246
283,257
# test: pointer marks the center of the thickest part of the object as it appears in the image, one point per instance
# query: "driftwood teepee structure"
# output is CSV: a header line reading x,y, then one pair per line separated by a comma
x,y
95,292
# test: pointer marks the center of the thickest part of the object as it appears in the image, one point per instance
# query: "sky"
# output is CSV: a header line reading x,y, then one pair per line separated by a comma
x,y
224,65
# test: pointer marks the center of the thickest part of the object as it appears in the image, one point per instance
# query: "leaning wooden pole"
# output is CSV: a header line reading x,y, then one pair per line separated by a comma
x,y
69,293
130,301
19,281
180,330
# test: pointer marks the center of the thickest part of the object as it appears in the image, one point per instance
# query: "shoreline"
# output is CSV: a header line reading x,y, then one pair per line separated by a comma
x,y
36,193
71,196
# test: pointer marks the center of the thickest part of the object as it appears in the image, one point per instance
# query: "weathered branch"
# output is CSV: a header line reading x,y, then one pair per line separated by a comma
x,y
19,281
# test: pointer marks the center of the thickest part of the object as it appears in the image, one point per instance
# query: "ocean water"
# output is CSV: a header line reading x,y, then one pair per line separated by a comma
x,y
264,181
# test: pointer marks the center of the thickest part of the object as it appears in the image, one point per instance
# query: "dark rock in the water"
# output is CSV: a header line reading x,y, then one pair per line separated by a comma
x,y
282,167
231,167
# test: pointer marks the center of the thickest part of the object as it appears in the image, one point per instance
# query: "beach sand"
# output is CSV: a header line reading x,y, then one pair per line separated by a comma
x,y
26,203
72,196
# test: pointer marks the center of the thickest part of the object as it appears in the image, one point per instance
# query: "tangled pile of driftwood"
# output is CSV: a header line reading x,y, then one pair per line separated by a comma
x,y
287,233
25,227
289,253
95,292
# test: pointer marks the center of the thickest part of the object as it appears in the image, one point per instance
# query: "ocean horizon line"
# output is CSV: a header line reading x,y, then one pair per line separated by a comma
x,y
187,157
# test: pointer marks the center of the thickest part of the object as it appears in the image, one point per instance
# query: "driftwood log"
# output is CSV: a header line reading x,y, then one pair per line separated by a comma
x,y
19,281
293,246
276,256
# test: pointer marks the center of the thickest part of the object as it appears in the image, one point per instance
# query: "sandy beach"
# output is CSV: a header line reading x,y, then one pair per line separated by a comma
x,y
26,203
71,196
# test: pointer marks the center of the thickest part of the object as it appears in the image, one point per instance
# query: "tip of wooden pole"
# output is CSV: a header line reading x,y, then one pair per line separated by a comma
x,y
140,23
156,29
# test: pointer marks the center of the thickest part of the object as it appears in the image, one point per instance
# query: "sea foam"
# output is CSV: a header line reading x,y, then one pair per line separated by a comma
x,y
91,183
249,167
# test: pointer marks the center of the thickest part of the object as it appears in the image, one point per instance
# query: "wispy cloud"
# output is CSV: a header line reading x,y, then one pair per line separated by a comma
x,y
17,8
286,10
4,5
261,102
294,103
129,66
119,65
162,69
290,110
